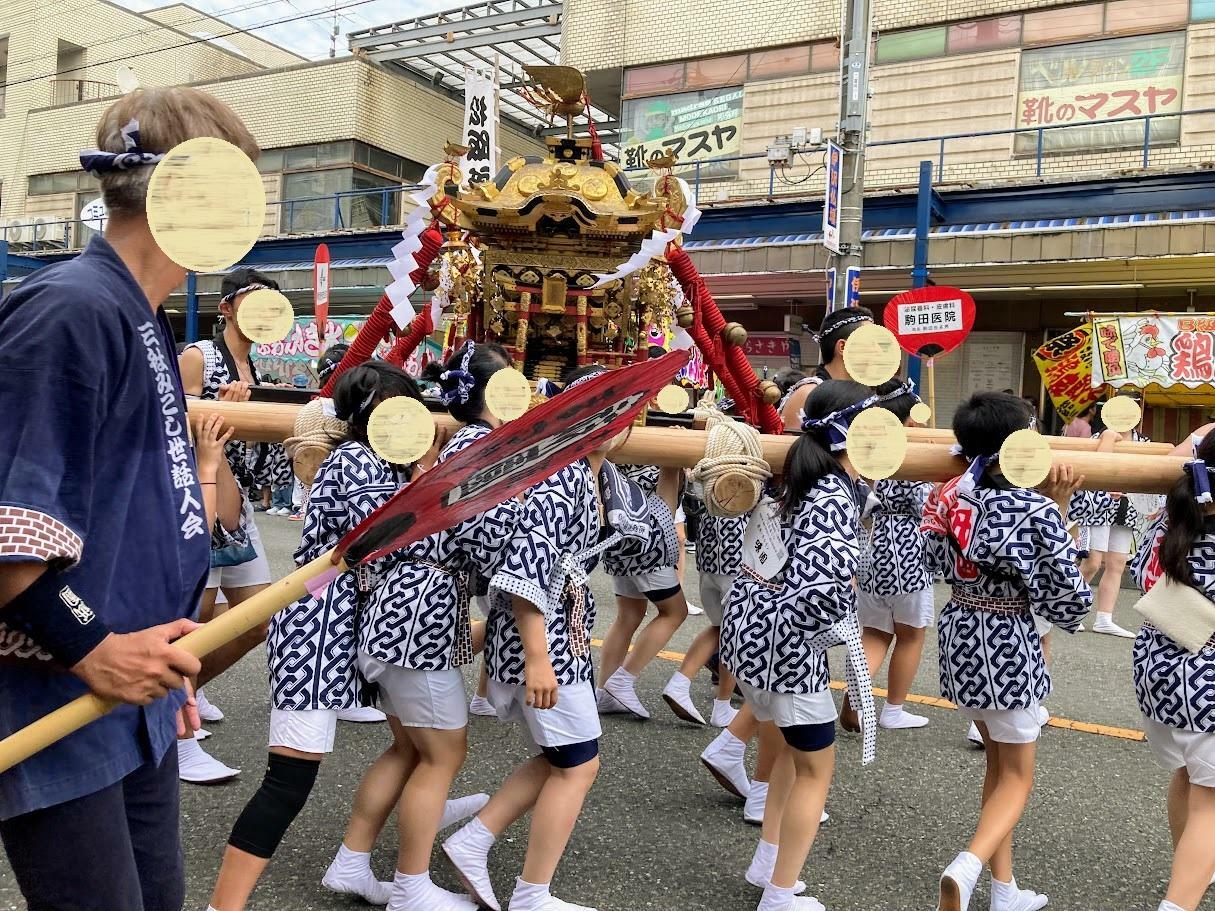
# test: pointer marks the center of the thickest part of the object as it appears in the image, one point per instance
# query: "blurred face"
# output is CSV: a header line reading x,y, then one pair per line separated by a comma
x,y
228,312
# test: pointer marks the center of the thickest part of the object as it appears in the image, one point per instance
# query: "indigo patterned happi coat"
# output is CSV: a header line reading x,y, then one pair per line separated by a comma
x,y
1007,543
768,627
311,645
1173,686
547,560
893,561
417,615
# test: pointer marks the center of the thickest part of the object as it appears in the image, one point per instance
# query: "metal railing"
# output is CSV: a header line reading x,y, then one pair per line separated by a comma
x,y
386,207
69,91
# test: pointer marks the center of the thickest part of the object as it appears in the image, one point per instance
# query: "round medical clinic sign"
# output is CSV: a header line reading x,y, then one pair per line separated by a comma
x,y
929,322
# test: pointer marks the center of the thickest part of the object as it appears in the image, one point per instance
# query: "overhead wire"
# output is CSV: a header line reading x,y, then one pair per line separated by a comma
x,y
174,47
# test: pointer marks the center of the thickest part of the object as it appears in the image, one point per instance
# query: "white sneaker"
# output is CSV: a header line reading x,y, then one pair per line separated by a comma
x,y
757,801
1043,716
608,704
471,863
678,695
462,808
974,736
723,713
695,610
1104,624
196,766
898,719
201,734
482,707
724,759
622,686
207,710
958,882
363,714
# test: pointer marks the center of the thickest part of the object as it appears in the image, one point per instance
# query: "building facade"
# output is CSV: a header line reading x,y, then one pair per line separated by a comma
x,y
1046,207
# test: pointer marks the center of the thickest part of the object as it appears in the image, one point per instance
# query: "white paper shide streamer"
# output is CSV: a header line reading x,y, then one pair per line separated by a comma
x,y
655,246
403,261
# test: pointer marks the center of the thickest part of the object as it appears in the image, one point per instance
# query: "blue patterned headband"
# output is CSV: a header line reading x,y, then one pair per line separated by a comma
x,y
837,423
97,162
464,380
1200,480
585,379
855,318
907,388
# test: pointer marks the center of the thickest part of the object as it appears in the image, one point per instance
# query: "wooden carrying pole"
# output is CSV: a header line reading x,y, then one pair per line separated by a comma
x,y
223,629
1131,469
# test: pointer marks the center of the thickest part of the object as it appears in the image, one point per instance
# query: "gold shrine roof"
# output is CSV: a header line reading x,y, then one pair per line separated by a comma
x,y
596,195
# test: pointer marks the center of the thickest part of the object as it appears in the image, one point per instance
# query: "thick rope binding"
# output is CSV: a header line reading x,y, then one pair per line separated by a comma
x,y
733,470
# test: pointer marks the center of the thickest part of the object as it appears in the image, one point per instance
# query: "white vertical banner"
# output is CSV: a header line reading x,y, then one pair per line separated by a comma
x,y
480,127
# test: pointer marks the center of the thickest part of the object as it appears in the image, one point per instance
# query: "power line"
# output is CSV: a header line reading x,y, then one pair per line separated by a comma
x,y
174,47
153,27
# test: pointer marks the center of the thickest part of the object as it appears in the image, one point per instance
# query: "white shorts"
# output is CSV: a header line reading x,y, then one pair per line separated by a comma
x,y
714,589
574,719
1114,539
681,517
418,699
788,710
482,603
308,730
1173,749
1042,626
882,612
637,586
255,572
1007,725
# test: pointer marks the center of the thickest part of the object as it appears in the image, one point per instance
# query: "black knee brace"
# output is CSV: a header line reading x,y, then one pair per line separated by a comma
x,y
572,755
270,811
810,738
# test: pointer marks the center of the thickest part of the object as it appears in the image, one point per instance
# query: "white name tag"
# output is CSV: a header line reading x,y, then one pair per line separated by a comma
x,y
764,550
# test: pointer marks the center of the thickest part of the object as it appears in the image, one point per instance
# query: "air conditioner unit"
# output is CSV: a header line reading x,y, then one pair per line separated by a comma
x,y
17,231
38,229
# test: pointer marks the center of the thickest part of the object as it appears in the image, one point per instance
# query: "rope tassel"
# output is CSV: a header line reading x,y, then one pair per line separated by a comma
x,y
733,470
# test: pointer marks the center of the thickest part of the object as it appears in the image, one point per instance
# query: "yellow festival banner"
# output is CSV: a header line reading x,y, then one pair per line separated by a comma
x,y
1066,365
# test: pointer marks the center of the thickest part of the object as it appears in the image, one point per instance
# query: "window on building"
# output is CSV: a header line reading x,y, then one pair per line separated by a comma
x,y
715,71
911,45
3,69
781,61
60,197
654,80
1062,24
310,203
984,34
1145,15
1101,80
824,56
1200,10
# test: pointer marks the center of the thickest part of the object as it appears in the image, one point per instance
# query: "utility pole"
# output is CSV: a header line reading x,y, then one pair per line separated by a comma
x,y
856,30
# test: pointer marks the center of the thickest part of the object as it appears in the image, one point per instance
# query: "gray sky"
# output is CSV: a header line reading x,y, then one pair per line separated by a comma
x,y
310,36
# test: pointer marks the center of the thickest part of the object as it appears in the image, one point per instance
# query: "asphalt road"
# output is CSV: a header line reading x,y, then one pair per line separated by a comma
x,y
658,833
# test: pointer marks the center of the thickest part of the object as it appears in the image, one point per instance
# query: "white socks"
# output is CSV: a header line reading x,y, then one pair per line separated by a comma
x,y
724,758
723,713
763,862
350,874
418,893
1169,906
623,687
757,801
1007,897
895,717
468,850
678,695
958,882
528,896
1104,623
196,766
462,808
